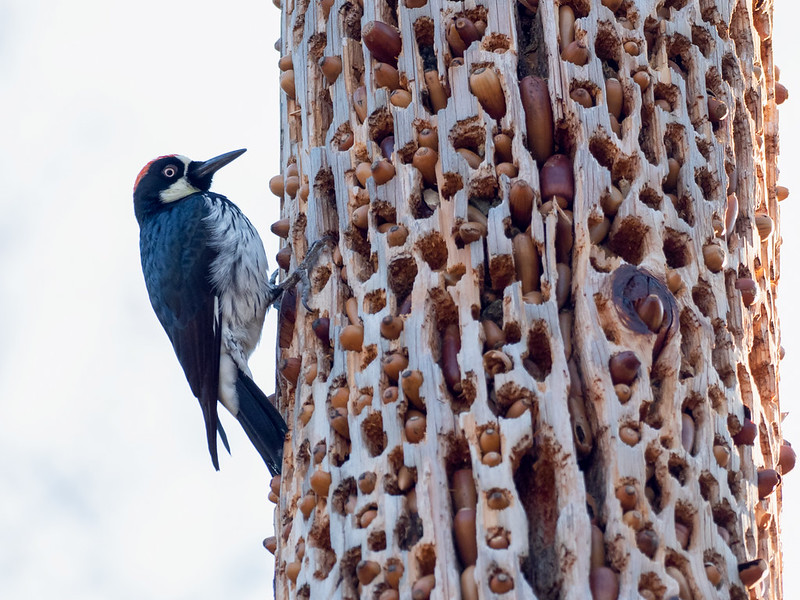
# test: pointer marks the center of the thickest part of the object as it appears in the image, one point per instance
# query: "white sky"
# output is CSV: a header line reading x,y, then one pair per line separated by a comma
x,y
106,487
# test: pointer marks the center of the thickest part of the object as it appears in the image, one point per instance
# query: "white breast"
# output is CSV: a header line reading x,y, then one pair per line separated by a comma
x,y
239,275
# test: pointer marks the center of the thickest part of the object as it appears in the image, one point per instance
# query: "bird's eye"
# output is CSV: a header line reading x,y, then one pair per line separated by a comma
x,y
170,171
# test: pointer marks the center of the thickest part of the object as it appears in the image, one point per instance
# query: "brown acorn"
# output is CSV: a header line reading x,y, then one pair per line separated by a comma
x,y
538,117
747,434
557,180
502,148
786,458
383,41
604,583
425,160
577,52
385,75
331,67
748,289
768,480
465,533
717,110
321,327
500,583
651,311
753,571
400,98
485,85
287,83
624,367
276,185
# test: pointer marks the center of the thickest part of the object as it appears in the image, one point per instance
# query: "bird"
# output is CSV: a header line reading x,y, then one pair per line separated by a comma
x,y
206,275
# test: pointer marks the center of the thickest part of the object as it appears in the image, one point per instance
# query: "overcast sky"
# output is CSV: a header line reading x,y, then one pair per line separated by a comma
x,y
106,487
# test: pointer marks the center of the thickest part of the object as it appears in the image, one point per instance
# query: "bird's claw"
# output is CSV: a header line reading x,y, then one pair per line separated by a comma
x,y
300,274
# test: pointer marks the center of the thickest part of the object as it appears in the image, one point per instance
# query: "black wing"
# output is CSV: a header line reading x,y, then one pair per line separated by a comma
x,y
176,257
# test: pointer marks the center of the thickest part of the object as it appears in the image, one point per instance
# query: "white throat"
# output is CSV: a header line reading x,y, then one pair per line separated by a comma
x,y
179,189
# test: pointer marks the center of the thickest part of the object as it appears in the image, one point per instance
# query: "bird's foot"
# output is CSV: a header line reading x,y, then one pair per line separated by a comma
x,y
300,274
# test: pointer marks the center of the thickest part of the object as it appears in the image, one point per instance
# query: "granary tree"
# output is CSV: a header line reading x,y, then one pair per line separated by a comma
x,y
540,359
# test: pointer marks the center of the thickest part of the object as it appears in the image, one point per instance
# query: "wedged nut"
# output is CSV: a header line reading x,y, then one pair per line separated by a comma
x,y
627,496
781,93
382,171
764,225
566,26
462,488
768,480
684,592
748,289
391,327
331,67
351,338
670,183
623,392
682,534
722,455
393,572
485,85
290,369
280,228
473,159
366,571
786,458
366,482
717,110
714,257
385,75
495,337
629,435
287,83
556,179
497,500
624,367
425,160
400,98
502,148
747,434
397,235
753,571
577,52
538,117
394,364
597,556
383,41
338,421
466,536
416,423
271,544
500,583
614,97
526,262
651,311
496,361
411,381
647,542
293,570
422,588
604,583
451,346
320,482
321,327
471,232
713,573
360,103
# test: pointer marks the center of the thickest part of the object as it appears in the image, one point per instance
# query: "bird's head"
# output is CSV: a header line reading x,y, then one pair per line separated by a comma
x,y
174,177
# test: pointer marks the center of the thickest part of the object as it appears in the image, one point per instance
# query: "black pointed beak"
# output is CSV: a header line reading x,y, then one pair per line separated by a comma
x,y
201,170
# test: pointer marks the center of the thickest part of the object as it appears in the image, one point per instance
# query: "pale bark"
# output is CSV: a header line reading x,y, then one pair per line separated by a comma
x,y
710,358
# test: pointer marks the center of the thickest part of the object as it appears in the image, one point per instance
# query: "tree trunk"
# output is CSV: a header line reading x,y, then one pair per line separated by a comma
x,y
541,361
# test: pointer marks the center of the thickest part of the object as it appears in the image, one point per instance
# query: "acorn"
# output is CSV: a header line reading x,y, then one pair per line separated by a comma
x,y
682,534
321,327
338,422
577,52
714,257
485,85
411,381
360,103
465,532
391,327
385,75
280,228
717,110
397,235
781,93
366,482
467,30
366,571
713,573
393,572
383,41
331,67
647,542
627,496
781,192
670,183
753,571
425,160
500,583
293,570
437,93
497,500
271,544
748,289
603,583
290,369
651,311
557,181
462,488
642,79
382,171
747,434
687,432
400,98
768,480
320,482
786,458
764,225
285,62
276,185
428,138
502,148
722,455
582,96
415,426
421,590
538,117
351,338
614,97
624,367
473,159
287,83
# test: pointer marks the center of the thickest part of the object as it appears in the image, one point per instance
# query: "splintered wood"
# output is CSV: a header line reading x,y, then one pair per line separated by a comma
x,y
541,361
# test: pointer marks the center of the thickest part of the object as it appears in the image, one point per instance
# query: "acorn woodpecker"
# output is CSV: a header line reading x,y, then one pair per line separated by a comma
x,y
206,274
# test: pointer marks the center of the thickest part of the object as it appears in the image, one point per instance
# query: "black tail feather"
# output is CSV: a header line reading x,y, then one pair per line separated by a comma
x,y
261,422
